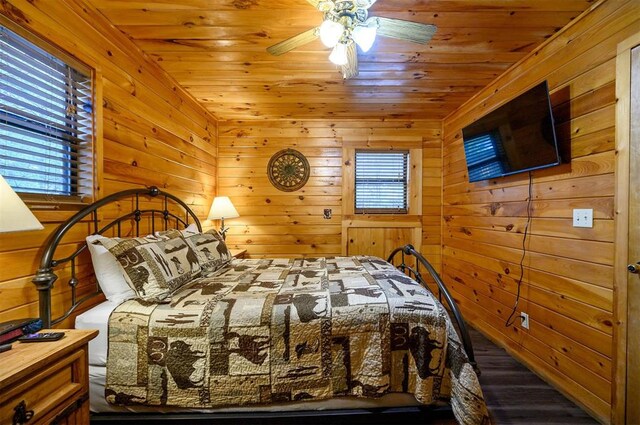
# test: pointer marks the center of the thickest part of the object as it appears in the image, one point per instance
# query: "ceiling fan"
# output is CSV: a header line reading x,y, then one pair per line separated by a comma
x,y
347,24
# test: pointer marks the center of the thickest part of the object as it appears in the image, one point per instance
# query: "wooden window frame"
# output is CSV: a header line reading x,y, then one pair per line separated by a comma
x,y
406,171
414,190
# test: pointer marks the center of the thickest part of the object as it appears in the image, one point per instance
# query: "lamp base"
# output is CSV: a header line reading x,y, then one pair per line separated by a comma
x,y
223,231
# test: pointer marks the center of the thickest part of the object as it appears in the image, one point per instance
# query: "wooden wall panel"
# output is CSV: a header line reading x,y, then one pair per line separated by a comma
x,y
567,287
378,241
275,223
149,132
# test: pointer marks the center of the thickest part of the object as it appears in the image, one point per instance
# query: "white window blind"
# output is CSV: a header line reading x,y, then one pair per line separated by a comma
x,y
45,120
381,182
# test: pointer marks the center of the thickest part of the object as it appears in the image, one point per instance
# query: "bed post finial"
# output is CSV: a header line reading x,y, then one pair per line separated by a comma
x,y
154,191
44,280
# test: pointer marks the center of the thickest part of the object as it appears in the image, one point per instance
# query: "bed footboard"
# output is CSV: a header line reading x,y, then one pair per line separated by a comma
x,y
443,292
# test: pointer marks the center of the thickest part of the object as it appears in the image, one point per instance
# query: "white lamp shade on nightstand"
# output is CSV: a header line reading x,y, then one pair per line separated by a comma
x,y
222,208
15,216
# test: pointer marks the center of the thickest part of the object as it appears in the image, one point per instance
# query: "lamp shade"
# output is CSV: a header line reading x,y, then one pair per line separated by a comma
x,y
339,54
330,32
222,208
15,216
364,36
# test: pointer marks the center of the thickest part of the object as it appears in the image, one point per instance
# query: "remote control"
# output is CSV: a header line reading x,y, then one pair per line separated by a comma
x,y
5,347
42,337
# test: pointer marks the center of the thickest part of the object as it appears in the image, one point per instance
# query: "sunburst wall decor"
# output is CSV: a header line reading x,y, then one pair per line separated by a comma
x,y
288,170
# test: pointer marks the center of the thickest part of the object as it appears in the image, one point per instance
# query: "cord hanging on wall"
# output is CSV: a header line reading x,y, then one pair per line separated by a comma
x,y
510,320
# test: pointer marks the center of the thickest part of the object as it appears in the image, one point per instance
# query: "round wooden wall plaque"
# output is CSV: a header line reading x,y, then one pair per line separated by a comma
x,y
288,170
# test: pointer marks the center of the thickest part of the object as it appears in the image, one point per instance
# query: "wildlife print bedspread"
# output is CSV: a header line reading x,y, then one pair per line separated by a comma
x,y
279,330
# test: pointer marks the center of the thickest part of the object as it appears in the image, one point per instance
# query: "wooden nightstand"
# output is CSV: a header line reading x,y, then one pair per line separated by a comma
x,y
238,253
50,380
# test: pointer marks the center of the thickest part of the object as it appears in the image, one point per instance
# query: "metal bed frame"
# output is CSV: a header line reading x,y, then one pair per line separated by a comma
x,y
46,277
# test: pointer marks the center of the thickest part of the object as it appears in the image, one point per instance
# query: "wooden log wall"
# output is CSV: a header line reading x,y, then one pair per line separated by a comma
x,y
567,288
148,132
289,224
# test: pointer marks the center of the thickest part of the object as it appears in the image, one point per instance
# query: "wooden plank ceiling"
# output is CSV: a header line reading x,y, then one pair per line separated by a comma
x,y
216,49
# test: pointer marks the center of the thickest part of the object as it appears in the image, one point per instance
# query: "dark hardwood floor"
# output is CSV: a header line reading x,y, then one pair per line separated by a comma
x,y
515,395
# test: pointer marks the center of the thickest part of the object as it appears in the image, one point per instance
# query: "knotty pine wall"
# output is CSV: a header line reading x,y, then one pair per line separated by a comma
x,y
289,224
149,132
567,288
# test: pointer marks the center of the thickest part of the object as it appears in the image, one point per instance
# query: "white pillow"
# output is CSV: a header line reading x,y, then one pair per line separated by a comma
x,y
108,272
191,229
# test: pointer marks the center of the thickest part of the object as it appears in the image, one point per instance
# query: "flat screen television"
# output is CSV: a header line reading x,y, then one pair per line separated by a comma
x,y
518,136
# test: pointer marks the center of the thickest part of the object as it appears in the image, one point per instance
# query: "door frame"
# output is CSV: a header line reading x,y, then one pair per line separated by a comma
x,y
621,245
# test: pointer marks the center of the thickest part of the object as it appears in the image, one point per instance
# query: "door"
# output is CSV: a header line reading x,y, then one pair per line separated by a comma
x,y
626,382
633,279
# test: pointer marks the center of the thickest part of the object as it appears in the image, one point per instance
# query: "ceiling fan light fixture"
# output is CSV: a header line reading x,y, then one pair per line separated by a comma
x,y
339,54
347,26
364,36
330,32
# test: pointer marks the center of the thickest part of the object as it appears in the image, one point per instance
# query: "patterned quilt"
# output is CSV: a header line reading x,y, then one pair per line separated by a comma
x,y
276,330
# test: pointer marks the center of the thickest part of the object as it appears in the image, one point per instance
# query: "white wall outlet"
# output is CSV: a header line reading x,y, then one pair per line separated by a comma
x,y
583,217
524,319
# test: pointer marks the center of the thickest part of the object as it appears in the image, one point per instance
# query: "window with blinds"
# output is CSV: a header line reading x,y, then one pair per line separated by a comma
x,y
46,120
381,182
484,156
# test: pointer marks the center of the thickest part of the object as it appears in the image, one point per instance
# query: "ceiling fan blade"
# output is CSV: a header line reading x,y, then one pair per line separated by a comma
x,y
350,70
405,30
293,42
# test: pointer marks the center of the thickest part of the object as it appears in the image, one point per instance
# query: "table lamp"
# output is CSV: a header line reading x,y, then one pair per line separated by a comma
x,y
220,209
15,216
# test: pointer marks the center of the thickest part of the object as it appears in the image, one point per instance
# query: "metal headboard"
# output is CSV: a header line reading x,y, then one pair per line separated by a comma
x,y
442,292
45,276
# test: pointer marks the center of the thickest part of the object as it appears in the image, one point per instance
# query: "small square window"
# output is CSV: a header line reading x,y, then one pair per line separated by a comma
x,y
381,182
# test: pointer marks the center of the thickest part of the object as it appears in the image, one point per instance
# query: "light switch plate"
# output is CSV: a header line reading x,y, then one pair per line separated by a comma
x,y
583,217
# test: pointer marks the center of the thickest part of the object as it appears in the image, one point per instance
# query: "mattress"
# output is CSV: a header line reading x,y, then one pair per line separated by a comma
x,y
97,379
97,318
